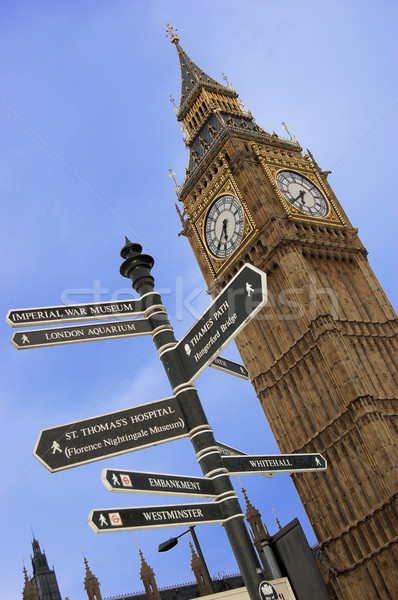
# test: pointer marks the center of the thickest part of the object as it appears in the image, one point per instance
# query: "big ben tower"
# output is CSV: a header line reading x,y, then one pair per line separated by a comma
x,y
322,354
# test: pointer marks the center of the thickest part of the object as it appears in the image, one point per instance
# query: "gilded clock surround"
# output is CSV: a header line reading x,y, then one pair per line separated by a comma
x,y
226,185
274,165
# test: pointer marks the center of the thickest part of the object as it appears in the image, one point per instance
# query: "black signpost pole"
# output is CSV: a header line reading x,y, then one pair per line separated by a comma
x,y
137,267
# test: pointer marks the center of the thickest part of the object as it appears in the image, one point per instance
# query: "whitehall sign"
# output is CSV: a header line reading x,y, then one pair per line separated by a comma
x,y
71,334
20,317
233,308
157,483
228,366
274,463
115,433
151,517
229,451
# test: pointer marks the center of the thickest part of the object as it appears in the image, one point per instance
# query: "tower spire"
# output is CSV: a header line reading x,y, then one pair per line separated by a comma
x,y
198,571
147,576
192,76
29,591
91,583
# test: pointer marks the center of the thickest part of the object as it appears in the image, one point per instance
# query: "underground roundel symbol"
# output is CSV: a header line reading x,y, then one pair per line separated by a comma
x,y
266,591
115,519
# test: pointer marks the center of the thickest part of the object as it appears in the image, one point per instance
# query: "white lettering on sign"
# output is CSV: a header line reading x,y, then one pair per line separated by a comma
x,y
174,515
158,412
174,484
274,462
39,315
112,308
76,312
111,329
69,452
198,336
160,428
221,310
121,439
104,426
230,321
64,335
207,347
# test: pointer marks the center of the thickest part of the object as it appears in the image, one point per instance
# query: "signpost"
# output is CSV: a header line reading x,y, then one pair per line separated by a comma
x,y
233,308
20,317
274,463
115,433
229,451
137,482
228,366
72,334
88,440
152,517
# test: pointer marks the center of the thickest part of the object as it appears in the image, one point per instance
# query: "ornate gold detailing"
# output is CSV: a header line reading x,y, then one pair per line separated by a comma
x,y
274,160
224,184
286,127
175,186
171,33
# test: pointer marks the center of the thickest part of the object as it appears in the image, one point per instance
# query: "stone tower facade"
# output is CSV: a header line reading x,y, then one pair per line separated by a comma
x,y
322,355
198,571
29,591
258,530
44,578
91,584
148,579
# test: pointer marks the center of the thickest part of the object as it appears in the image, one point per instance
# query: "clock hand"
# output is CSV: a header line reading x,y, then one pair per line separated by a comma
x,y
300,197
224,229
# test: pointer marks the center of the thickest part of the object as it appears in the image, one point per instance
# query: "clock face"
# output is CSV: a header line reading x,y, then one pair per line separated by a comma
x,y
302,194
224,226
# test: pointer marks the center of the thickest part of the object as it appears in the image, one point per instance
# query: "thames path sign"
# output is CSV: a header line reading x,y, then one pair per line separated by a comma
x,y
70,334
21,317
157,483
274,463
151,517
92,439
233,308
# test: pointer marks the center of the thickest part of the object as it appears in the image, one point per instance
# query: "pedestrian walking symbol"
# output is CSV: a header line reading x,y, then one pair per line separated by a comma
x,y
249,289
56,447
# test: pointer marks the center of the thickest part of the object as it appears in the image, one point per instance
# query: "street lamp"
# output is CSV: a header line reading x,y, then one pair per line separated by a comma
x,y
169,544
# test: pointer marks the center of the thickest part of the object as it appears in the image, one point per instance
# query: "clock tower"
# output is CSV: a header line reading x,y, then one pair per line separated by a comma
x,y
322,355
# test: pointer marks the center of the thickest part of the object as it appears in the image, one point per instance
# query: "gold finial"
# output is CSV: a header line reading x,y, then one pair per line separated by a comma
x,y
171,32
175,186
286,127
277,520
243,107
172,100
227,82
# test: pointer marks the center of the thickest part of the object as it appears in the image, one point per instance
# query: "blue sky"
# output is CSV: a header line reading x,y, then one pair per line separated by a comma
x,y
88,138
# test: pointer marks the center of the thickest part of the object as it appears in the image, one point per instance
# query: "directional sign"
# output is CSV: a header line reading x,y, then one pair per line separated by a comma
x,y
20,317
107,435
233,308
157,483
229,451
150,517
72,334
228,366
274,463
